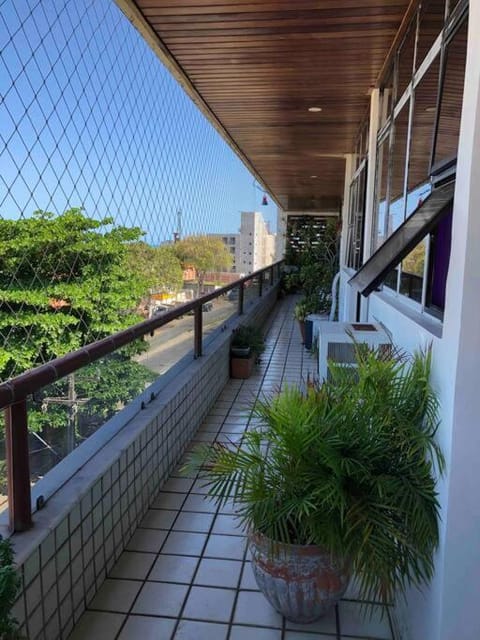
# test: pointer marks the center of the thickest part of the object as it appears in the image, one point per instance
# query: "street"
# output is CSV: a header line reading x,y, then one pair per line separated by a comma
x,y
173,341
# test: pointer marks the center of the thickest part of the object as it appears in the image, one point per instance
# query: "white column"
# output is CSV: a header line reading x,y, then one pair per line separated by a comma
x,y
349,170
345,291
372,161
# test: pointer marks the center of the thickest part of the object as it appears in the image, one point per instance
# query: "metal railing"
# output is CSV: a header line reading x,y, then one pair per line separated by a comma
x,y
14,393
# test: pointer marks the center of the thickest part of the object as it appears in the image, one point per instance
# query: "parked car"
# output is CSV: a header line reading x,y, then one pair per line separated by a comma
x,y
232,295
160,309
206,306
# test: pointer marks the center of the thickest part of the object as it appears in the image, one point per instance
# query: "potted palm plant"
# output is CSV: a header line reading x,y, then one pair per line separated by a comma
x,y
337,480
246,347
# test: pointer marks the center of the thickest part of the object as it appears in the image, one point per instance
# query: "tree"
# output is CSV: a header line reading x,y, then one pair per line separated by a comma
x,y
65,281
159,266
204,253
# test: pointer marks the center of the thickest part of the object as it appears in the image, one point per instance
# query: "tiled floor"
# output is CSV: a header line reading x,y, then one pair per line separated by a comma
x,y
185,574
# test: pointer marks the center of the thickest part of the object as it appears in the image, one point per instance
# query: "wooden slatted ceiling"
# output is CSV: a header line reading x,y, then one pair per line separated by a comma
x,y
259,65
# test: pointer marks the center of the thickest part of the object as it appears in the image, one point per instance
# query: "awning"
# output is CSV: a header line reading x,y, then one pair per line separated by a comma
x,y
404,239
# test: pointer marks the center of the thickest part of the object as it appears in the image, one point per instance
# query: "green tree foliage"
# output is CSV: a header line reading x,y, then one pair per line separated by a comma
x,y
64,282
205,253
159,266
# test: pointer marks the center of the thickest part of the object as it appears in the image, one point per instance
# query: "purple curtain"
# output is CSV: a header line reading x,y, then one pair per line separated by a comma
x,y
441,258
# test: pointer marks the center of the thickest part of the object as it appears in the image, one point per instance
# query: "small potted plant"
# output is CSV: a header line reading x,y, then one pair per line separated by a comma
x,y
338,480
302,309
246,347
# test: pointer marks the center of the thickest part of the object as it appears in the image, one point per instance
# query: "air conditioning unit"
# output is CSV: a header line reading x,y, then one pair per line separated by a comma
x,y
335,342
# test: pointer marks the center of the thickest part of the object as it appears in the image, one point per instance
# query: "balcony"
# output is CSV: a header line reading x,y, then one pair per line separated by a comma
x,y
185,572
122,545
111,557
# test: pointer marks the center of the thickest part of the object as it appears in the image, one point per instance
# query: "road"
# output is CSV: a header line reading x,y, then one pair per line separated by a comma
x,y
174,340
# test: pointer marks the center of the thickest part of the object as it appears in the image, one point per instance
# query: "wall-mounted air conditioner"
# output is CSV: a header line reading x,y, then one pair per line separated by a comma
x,y
335,342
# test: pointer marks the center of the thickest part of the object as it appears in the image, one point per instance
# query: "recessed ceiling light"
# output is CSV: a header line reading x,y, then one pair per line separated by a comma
x,y
313,176
314,109
430,109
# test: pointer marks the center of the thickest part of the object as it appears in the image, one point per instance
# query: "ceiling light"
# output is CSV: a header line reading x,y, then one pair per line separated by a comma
x,y
430,109
313,176
314,109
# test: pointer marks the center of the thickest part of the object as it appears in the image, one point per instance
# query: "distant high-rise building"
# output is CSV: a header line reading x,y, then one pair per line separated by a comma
x,y
256,243
231,241
253,247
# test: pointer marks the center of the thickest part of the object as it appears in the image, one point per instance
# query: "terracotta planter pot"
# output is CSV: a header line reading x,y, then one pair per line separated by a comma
x,y
302,582
241,368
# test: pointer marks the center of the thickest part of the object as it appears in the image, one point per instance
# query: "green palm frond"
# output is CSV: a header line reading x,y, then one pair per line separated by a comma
x,y
350,466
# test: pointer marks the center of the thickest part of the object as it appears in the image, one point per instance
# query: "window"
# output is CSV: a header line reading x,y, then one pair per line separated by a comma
x,y
405,60
403,241
448,130
411,228
382,183
386,98
411,273
432,16
396,208
423,127
356,219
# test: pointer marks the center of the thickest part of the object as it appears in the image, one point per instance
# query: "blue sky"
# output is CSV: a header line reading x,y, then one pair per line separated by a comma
x,y
90,117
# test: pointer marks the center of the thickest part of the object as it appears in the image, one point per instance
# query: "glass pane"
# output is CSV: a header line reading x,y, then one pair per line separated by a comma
x,y
251,292
358,221
451,5
387,98
411,279
405,60
392,279
432,14
396,210
351,222
382,178
423,127
451,99
64,414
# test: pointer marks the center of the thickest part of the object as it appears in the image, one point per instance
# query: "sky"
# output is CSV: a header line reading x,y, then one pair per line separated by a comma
x,y
90,117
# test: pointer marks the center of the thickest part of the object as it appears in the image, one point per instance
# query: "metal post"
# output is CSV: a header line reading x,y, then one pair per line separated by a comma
x,y
197,332
241,291
72,413
18,468
260,284
271,276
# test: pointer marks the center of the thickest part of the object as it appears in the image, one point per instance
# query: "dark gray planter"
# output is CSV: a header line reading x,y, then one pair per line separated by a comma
x,y
302,582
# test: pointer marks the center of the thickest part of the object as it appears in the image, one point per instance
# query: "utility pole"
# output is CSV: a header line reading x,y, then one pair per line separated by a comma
x,y
72,402
179,224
